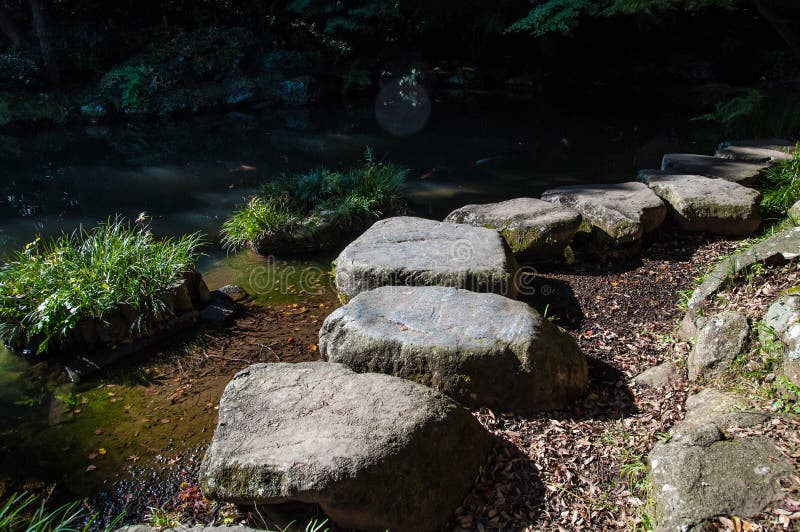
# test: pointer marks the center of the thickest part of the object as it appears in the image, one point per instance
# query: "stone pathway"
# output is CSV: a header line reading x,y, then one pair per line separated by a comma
x,y
431,302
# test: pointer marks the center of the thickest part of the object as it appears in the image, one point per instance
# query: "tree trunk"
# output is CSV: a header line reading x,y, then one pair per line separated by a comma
x,y
48,57
791,38
11,31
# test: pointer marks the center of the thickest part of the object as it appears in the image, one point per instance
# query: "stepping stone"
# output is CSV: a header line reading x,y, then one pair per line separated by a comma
x,y
752,154
373,451
704,471
716,167
408,251
533,229
619,213
703,204
757,151
480,349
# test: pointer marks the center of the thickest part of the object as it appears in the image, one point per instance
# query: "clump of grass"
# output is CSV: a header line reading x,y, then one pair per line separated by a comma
x,y
309,211
27,513
49,287
781,185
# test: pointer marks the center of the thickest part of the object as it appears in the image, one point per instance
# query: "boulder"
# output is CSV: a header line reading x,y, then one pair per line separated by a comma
x,y
660,376
480,349
373,451
716,167
417,252
720,340
618,213
533,229
704,204
794,213
701,473
220,308
783,317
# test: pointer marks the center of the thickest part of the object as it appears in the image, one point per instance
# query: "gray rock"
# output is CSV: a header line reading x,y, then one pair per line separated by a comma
x,y
720,340
660,376
716,167
236,293
220,308
706,205
783,317
619,213
417,252
779,248
750,154
781,145
480,349
533,229
373,451
701,473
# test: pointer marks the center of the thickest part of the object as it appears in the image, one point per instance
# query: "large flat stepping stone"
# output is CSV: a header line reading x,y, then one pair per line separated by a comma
x,y
480,349
373,451
703,204
757,150
688,163
619,213
409,251
533,229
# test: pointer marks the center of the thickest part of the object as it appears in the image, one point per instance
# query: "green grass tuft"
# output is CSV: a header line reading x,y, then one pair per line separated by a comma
x,y
781,185
299,211
26,513
49,287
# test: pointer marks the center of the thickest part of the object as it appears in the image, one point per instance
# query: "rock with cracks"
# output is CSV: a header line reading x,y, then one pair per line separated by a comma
x,y
373,451
701,472
480,349
618,213
406,251
692,164
534,229
783,317
706,205
720,340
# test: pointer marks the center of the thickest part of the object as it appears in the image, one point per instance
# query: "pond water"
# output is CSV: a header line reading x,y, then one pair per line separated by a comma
x,y
189,174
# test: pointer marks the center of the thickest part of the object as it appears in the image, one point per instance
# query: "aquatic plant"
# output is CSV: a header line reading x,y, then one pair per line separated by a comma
x,y
310,211
781,184
49,287
24,512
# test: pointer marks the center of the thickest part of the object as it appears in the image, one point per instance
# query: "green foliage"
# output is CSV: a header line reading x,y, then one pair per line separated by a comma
x,y
354,16
755,113
299,207
49,287
563,16
781,184
134,84
26,513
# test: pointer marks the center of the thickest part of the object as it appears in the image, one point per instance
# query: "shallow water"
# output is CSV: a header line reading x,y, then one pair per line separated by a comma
x,y
188,176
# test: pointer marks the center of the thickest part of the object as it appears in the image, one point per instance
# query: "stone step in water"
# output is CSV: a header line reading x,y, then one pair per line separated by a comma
x,y
480,349
740,172
407,251
535,230
618,213
373,451
704,204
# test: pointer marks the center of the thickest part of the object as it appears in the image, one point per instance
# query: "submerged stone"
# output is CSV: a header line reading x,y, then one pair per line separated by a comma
x,y
479,349
534,229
